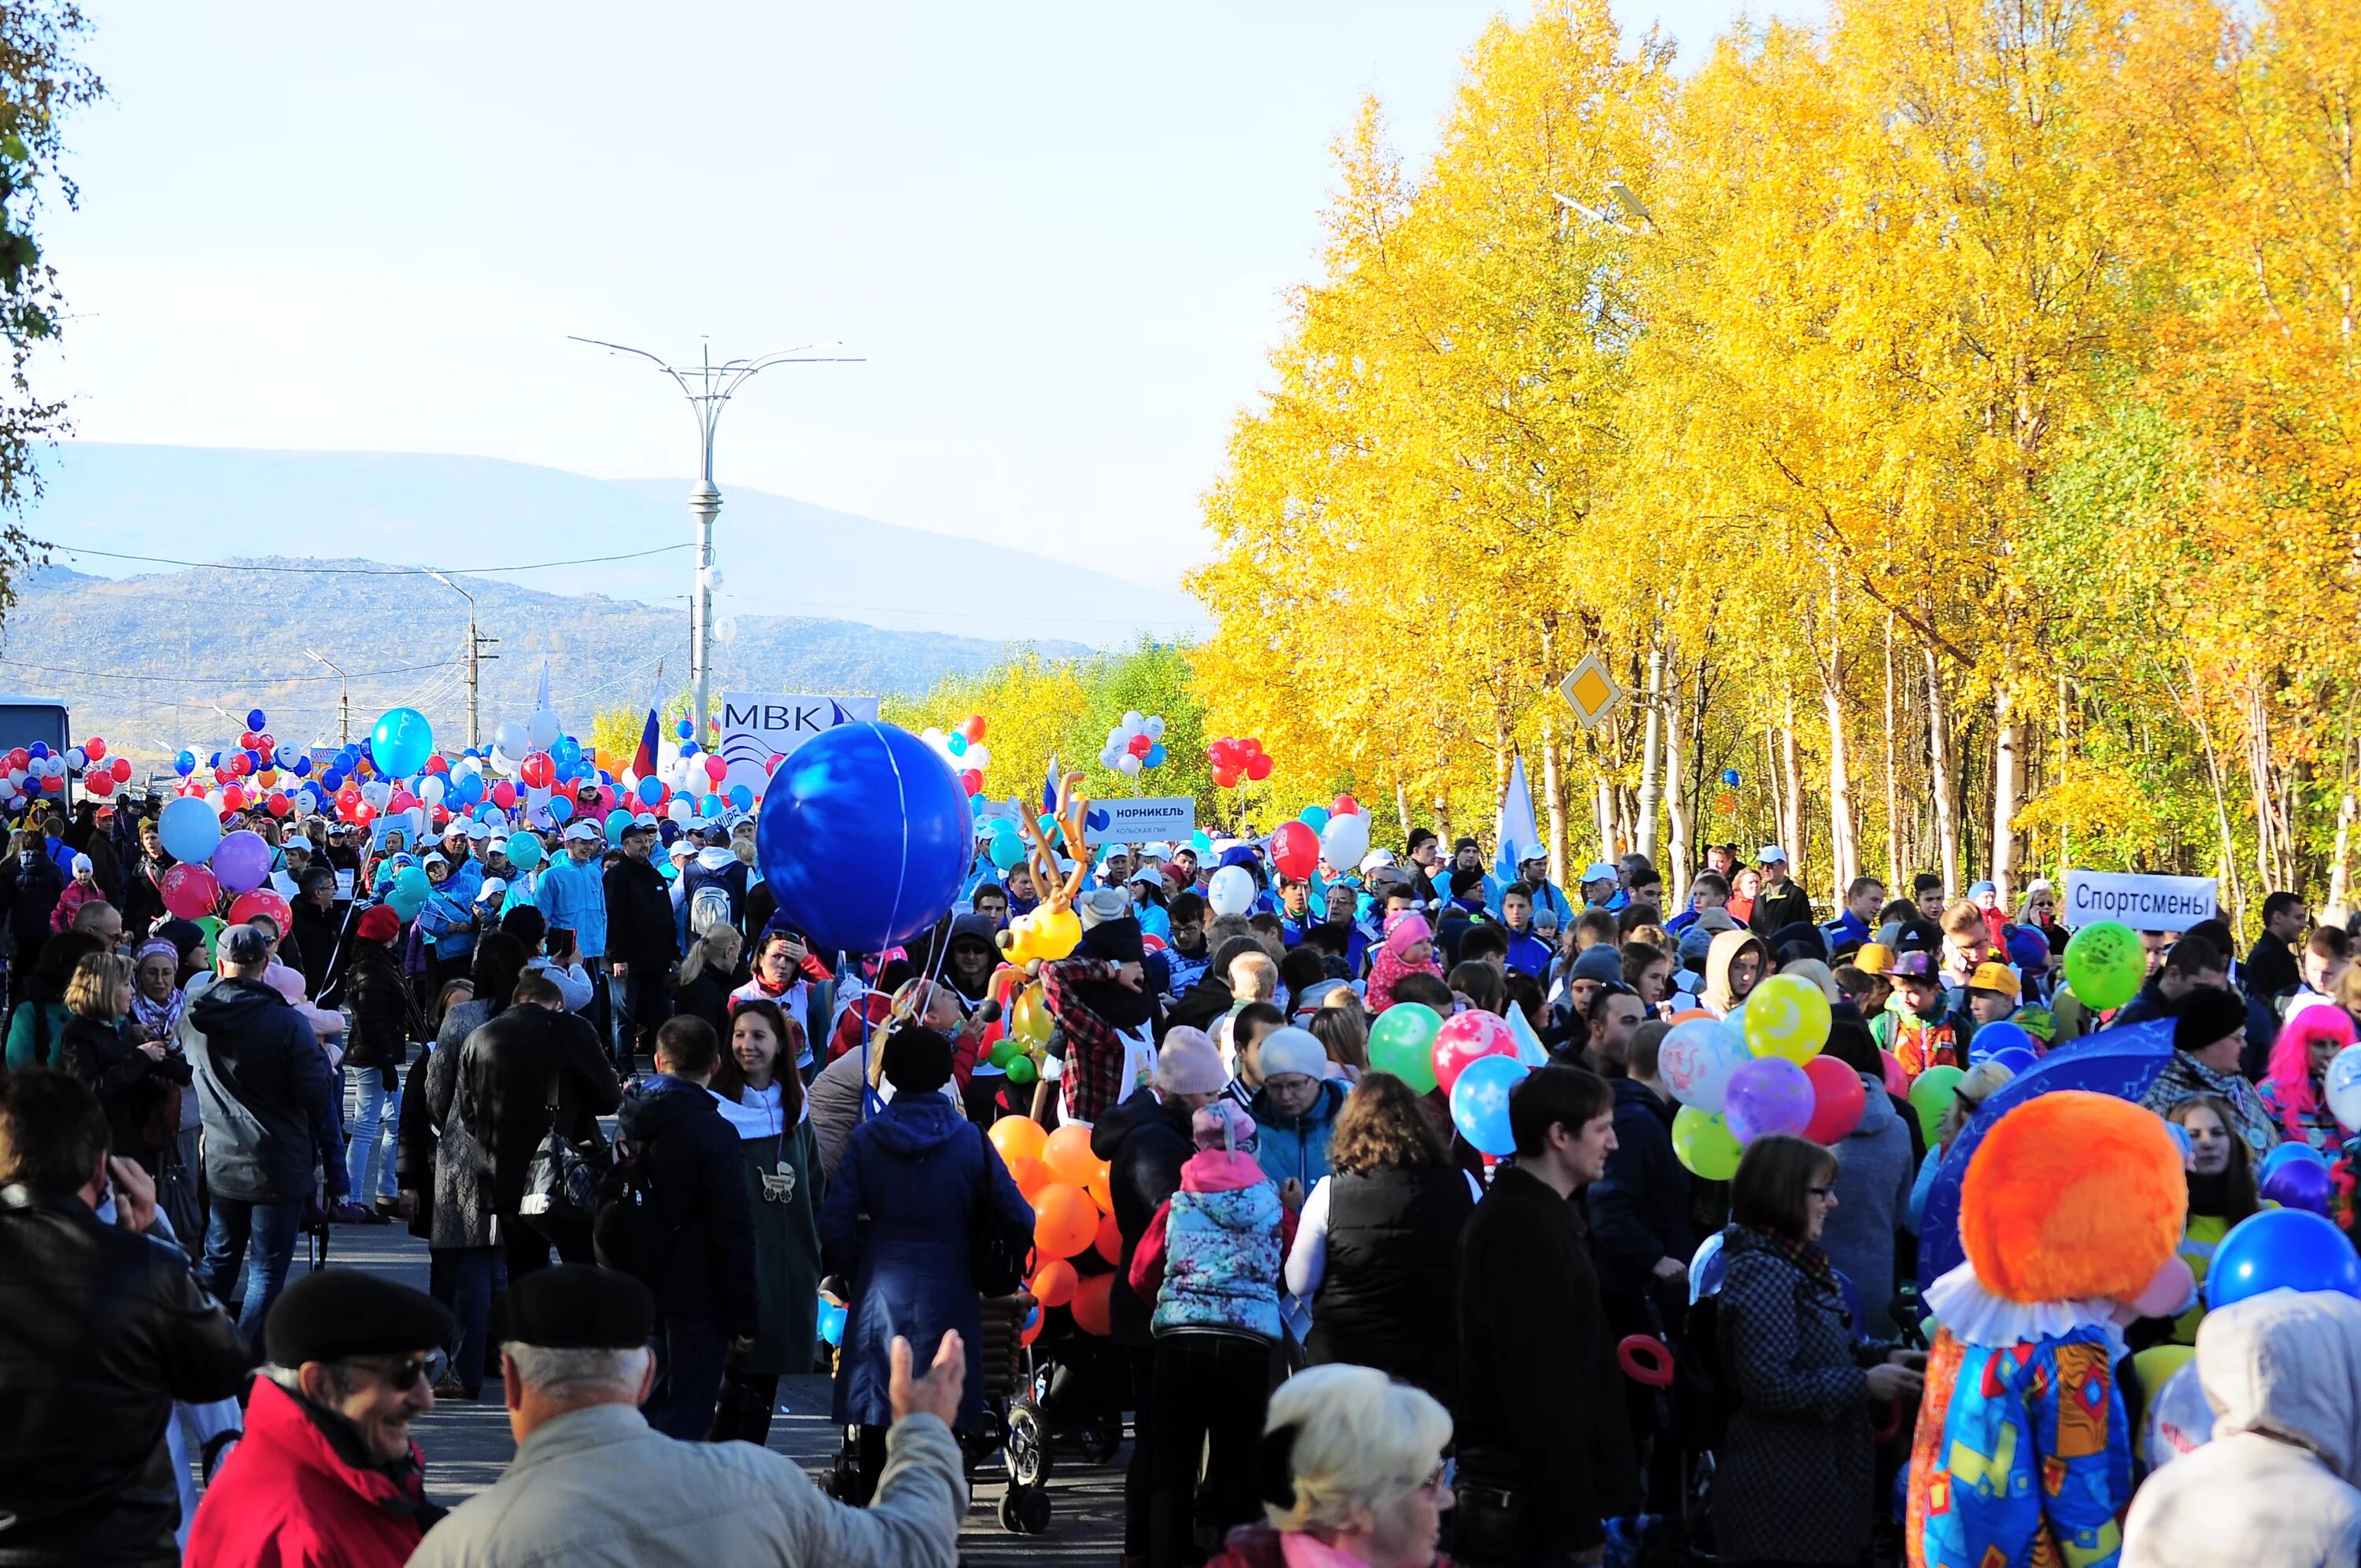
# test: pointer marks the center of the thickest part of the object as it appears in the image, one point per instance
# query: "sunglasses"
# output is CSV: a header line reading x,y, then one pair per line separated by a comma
x,y
429,1366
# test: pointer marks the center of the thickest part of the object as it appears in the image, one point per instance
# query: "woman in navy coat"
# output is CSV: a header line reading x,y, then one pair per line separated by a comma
x,y
895,1222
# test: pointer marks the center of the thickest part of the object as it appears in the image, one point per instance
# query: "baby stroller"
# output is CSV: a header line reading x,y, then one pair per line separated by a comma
x,y
1081,1383
1013,1425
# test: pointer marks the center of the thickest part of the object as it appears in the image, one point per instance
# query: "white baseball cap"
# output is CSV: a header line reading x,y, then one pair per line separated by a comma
x,y
1599,871
1531,853
493,887
1375,859
581,832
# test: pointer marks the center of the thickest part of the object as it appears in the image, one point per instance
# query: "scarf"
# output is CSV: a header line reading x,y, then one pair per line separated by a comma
x,y
157,1019
1807,1259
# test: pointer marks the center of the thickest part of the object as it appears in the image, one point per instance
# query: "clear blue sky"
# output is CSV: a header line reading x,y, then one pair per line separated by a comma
x,y
1061,234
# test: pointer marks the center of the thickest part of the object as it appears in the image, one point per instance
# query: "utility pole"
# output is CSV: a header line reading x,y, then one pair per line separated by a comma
x,y
343,698
477,644
707,387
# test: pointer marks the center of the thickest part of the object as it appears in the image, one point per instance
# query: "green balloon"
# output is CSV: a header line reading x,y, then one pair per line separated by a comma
x,y
1021,1071
1401,1042
1003,1051
1931,1096
1705,1144
2105,964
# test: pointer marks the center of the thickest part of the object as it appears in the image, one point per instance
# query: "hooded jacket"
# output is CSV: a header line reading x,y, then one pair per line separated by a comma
x,y
1213,1254
1715,997
1144,1141
266,1094
1874,1173
295,1493
1387,966
715,866
2275,1488
639,930
691,1156
1296,1147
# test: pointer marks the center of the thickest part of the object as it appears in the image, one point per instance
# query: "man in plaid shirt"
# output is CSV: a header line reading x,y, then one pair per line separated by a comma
x,y
1100,999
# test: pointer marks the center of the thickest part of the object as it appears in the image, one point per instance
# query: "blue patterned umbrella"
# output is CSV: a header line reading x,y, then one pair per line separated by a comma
x,y
2121,1062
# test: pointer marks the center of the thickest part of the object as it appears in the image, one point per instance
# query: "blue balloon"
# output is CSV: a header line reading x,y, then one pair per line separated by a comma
x,y
560,808
301,766
188,829
38,749
2290,1247
2286,1154
742,797
402,742
711,805
254,718
185,764
2015,1059
689,748
2300,1184
469,789
683,729
650,791
1729,777
955,743
1479,1104
1155,758
1991,1040
863,838
831,1323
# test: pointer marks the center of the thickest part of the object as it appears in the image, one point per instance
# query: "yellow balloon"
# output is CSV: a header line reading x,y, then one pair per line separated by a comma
x,y
1029,1019
1787,1016
1058,932
1021,947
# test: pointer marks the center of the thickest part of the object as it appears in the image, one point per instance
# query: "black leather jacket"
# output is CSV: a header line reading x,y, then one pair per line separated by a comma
x,y
100,1331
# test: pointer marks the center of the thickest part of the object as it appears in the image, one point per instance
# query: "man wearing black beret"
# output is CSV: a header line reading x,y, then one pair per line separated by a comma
x,y
326,1471
593,1486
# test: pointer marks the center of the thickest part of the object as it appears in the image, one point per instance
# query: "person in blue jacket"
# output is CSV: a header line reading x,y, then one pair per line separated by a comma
x,y
1295,1109
895,1221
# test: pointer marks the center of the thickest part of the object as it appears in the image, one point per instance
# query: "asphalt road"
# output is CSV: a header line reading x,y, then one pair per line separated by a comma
x,y
468,1443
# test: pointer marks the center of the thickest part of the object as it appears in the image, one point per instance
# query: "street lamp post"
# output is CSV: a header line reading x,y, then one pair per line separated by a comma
x,y
707,387
344,698
475,653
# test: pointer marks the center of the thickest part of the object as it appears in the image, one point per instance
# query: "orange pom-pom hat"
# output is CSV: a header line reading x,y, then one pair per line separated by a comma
x,y
2072,1195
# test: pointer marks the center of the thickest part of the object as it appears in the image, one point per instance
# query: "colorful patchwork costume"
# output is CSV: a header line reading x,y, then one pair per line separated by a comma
x,y
2022,1457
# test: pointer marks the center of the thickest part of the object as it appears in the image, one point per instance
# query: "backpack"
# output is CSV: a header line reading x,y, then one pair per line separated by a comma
x,y
1704,1394
707,907
628,1231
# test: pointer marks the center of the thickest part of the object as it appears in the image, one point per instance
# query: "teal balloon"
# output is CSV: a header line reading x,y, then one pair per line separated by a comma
x,y
410,883
1201,842
955,743
401,741
1315,818
524,851
617,820
1007,849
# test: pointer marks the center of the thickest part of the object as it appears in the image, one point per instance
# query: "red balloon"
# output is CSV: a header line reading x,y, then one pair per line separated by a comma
x,y
264,741
279,806
1838,1099
1225,778
972,727
93,748
247,739
264,901
1465,1037
504,794
233,798
537,771
1295,850
772,765
190,889
715,768
1139,746
121,770
1259,767
1346,806
401,800
438,765
972,781
100,784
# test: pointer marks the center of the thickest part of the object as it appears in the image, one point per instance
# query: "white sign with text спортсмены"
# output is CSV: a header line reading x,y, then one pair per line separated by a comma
x,y
2143,903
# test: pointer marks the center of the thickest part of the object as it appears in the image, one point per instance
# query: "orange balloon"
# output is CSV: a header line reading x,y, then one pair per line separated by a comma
x,y
1684,1017
1030,1176
1102,1191
1069,1154
1110,1242
1054,1286
1092,1313
1065,1221
1018,1137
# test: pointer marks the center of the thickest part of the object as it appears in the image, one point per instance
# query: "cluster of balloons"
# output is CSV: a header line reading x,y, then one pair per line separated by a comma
x,y
1235,759
1756,1073
1476,1059
962,747
1073,1217
35,769
1134,742
1343,830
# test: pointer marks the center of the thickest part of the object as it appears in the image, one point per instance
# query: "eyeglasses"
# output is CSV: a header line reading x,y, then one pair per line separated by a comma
x,y
401,1375
1433,1485
1822,1193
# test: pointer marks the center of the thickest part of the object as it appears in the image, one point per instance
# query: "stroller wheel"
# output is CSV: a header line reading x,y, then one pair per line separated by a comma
x,y
1025,1510
1101,1438
1028,1448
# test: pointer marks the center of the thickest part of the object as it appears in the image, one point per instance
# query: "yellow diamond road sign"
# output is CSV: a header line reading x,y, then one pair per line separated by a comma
x,y
1591,692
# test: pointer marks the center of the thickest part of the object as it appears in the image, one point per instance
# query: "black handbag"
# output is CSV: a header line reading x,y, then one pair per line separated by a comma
x,y
996,1250
558,1182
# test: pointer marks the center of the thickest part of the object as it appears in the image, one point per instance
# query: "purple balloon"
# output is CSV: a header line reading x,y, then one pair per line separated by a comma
x,y
1767,1095
242,862
2300,1184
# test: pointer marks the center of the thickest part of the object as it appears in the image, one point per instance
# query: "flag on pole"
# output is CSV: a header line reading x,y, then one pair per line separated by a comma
x,y
1517,829
541,697
643,762
1049,786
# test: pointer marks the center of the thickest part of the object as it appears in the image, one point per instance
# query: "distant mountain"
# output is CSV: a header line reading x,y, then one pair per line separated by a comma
x,y
778,557
144,661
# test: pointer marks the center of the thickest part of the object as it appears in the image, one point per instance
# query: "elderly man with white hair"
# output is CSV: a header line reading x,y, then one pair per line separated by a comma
x,y
592,1483
1351,1464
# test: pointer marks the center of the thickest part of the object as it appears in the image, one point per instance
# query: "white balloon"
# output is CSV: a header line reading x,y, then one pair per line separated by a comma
x,y
1231,891
1111,757
678,808
503,764
1344,840
431,788
2344,1085
1129,765
1133,721
978,756
77,758
1697,1059
377,792
932,736
511,737
544,731
1154,728
2180,1419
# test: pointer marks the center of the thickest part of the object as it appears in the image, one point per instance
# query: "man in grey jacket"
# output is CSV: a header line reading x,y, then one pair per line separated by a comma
x,y
592,1483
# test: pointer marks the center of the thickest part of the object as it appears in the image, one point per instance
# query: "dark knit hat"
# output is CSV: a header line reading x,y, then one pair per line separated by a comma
x,y
341,1312
2207,1016
917,1060
1599,961
575,1306
1116,942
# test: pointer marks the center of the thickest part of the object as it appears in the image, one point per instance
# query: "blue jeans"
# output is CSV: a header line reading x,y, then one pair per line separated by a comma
x,y
261,1238
371,1115
692,1353
477,1279
642,1003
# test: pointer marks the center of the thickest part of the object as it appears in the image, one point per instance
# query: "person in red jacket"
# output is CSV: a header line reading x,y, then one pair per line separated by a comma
x,y
326,1475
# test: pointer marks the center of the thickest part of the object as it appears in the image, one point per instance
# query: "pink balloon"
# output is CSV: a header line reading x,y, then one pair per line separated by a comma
x,y
1897,1081
2168,1293
1465,1037
1838,1100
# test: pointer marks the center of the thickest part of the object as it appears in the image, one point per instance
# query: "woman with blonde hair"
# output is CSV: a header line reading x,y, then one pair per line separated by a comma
x,y
701,985
1352,1469
137,1080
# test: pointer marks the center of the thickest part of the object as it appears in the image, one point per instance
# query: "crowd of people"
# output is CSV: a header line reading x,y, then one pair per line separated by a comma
x,y
656,1145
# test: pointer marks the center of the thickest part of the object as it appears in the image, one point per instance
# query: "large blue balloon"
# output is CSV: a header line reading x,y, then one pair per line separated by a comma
x,y
1991,1040
1479,1102
863,838
402,742
2291,1247
188,829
